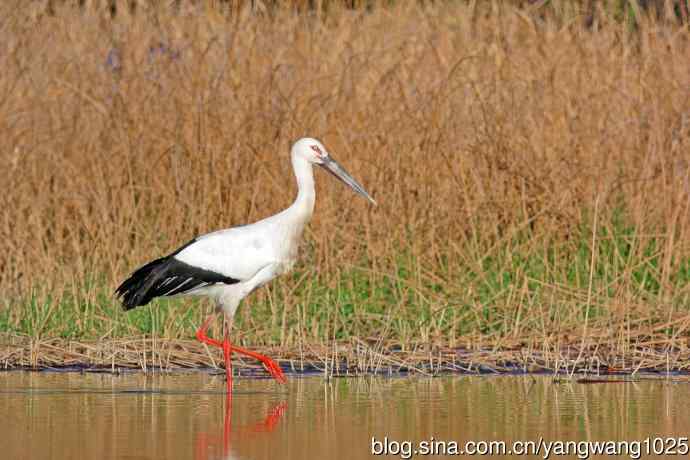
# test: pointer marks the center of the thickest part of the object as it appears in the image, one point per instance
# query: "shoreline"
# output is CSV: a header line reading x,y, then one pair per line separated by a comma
x,y
351,358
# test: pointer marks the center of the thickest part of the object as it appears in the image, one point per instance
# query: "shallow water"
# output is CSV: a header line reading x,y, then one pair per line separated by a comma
x,y
184,416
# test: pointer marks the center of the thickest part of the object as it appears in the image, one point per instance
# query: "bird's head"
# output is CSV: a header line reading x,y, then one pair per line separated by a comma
x,y
314,152
311,150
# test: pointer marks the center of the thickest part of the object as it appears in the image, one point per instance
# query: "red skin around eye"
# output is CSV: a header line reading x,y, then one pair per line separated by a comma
x,y
316,149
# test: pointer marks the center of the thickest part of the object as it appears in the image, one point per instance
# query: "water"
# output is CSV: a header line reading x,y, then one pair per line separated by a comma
x,y
183,416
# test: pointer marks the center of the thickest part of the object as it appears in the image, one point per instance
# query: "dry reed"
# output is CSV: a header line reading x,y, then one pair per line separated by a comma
x,y
532,176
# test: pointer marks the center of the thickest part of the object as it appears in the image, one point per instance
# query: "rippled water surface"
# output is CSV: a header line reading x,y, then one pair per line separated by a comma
x,y
186,416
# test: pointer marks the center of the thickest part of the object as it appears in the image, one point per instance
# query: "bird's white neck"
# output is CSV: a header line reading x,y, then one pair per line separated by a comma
x,y
304,173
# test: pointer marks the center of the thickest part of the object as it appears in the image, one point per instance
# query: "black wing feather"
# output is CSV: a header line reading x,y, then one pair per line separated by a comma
x,y
166,276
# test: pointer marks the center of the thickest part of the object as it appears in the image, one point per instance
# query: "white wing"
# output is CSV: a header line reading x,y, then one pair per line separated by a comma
x,y
238,252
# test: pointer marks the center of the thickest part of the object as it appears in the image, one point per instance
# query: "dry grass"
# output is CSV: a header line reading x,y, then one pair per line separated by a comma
x,y
532,173
345,358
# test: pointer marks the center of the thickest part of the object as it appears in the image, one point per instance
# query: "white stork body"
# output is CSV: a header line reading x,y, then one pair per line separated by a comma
x,y
256,253
227,265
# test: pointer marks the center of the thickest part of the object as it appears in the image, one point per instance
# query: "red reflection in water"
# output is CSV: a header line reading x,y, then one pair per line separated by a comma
x,y
205,441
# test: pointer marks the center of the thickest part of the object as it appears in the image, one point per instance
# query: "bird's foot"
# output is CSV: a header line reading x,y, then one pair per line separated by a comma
x,y
274,369
271,366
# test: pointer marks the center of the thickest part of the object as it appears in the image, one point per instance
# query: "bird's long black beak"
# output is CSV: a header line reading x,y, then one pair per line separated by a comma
x,y
338,171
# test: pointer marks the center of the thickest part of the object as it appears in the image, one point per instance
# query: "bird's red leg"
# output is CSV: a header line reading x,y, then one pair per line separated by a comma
x,y
227,353
203,338
225,345
270,365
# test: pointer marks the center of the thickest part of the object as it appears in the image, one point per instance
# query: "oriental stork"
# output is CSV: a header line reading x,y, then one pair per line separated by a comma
x,y
227,265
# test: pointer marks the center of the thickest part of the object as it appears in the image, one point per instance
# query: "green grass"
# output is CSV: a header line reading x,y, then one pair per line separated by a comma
x,y
519,289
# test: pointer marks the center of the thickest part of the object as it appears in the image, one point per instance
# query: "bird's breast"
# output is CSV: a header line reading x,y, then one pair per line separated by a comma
x,y
289,254
289,247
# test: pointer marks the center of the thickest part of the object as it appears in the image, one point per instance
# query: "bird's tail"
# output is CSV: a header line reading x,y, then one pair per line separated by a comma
x,y
137,289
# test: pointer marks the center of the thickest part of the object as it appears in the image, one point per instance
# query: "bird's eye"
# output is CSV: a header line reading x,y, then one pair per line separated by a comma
x,y
317,150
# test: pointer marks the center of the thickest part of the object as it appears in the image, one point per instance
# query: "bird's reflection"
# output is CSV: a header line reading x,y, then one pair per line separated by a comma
x,y
207,444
